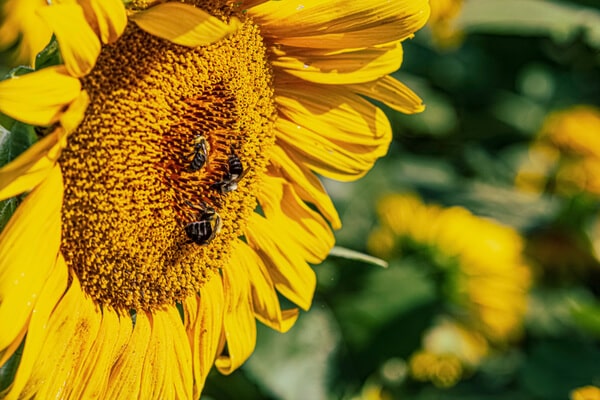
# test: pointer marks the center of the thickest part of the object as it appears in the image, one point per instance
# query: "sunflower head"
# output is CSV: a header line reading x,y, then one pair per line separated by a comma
x,y
480,262
565,156
175,185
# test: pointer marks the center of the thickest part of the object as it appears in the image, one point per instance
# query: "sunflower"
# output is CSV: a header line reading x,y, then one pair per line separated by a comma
x,y
565,156
442,23
480,262
585,393
450,351
173,196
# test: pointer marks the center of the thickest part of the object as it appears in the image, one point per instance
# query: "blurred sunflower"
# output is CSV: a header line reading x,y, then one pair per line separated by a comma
x,y
586,393
481,262
444,32
168,204
449,352
565,156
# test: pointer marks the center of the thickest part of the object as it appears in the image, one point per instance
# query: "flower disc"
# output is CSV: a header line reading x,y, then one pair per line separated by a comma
x,y
130,190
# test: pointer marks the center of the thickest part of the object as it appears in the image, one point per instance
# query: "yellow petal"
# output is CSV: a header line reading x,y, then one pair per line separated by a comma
x,y
238,322
292,276
69,337
40,97
79,45
204,322
367,37
107,17
393,93
336,113
34,165
306,227
180,356
295,18
184,24
29,245
334,132
23,31
127,371
50,295
307,185
167,365
91,380
341,68
265,301
29,169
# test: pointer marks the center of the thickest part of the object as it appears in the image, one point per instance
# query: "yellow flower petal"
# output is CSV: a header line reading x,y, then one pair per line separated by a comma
x,y
265,301
393,93
341,67
238,323
306,184
23,31
33,165
40,97
128,367
292,276
299,18
306,228
29,169
107,17
167,364
53,290
92,378
69,337
204,321
29,245
179,357
184,24
335,113
367,37
336,133
154,360
79,45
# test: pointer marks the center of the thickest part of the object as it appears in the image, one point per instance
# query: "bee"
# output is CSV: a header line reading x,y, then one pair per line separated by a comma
x,y
200,154
235,173
203,231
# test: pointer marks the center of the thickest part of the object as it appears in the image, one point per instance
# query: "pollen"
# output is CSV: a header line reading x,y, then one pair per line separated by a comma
x,y
130,186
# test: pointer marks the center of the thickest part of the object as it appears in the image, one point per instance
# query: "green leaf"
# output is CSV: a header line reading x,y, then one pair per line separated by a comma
x,y
348,254
15,138
17,71
49,56
9,369
7,208
587,317
295,365
555,367
386,301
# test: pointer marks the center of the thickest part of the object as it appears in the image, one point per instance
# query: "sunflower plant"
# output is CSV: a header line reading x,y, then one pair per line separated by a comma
x,y
171,195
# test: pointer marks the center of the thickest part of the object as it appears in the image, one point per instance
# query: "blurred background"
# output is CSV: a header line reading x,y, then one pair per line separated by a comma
x,y
486,209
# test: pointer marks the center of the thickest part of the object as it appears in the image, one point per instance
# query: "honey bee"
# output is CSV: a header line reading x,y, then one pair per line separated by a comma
x,y
200,153
235,173
203,231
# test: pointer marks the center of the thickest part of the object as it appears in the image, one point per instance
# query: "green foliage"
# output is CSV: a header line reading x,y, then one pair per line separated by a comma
x,y
15,138
49,56
9,369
